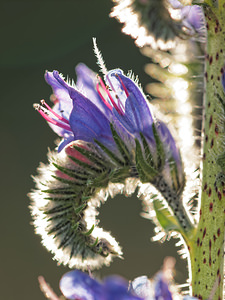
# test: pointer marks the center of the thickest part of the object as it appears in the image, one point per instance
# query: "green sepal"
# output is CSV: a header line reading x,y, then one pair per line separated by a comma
x,y
57,209
64,198
109,153
98,161
161,156
146,172
59,226
89,231
75,226
102,180
148,154
72,173
165,218
94,244
119,174
80,208
174,174
90,168
120,145
66,239
65,214
59,191
73,183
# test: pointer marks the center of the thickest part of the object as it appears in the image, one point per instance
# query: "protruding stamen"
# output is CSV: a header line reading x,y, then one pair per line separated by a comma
x,y
103,99
53,112
121,81
110,97
43,112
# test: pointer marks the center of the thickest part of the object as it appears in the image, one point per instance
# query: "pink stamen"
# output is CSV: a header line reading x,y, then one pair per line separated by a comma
x,y
54,113
110,97
59,124
121,107
125,89
103,99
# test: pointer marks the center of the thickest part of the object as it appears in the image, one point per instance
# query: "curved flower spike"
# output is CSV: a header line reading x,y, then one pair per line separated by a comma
x,y
112,143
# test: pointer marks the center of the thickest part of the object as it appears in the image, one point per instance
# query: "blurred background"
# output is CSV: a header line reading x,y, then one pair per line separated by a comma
x,y
36,36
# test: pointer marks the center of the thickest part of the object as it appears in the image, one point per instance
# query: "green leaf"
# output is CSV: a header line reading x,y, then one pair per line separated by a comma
x,y
165,218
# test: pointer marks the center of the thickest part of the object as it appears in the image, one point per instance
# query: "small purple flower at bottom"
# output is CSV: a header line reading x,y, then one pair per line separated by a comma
x,y
76,285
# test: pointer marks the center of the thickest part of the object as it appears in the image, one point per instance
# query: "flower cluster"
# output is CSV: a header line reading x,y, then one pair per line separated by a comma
x,y
88,110
111,144
78,285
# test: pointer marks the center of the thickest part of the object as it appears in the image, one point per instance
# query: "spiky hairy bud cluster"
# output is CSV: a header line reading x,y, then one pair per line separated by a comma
x,y
155,23
78,180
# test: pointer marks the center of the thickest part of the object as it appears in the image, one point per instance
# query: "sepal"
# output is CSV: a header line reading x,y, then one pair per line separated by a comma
x,y
146,172
165,218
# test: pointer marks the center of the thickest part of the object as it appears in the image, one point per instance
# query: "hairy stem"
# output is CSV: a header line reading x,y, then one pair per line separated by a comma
x,y
207,248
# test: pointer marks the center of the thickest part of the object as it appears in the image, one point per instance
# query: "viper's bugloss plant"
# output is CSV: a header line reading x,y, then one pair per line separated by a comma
x,y
115,141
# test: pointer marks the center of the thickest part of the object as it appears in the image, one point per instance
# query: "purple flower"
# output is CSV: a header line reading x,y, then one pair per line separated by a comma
x,y
193,17
78,285
88,110
85,111
161,288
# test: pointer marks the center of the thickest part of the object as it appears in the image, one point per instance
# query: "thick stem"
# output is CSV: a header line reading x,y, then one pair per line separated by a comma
x,y
207,250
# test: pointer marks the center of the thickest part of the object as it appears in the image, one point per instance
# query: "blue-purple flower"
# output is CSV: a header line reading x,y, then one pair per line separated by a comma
x,y
87,110
84,112
78,285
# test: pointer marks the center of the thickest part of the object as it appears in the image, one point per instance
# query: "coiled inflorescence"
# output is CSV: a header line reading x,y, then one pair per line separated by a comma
x,y
111,143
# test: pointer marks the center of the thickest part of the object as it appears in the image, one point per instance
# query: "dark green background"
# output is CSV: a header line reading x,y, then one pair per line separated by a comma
x,y
40,35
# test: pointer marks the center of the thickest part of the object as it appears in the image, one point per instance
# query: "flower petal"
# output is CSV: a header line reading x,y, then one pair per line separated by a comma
x,y
162,291
64,104
78,285
134,119
169,142
86,83
144,109
116,287
65,142
88,122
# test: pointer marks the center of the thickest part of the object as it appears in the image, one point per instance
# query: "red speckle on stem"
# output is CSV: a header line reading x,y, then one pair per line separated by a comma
x,y
211,207
209,192
216,129
218,232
